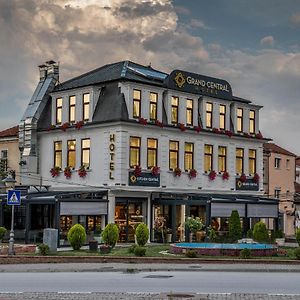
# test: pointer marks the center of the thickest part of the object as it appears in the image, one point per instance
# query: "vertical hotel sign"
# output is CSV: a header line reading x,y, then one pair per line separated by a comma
x,y
112,152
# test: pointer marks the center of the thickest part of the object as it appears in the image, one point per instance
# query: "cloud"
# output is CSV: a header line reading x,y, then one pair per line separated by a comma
x,y
295,19
181,10
85,35
267,41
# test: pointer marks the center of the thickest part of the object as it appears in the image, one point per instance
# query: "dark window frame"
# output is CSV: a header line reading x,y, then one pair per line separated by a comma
x,y
222,115
135,147
223,156
188,153
209,113
85,149
174,151
71,106
153,103
84,104
69,151
189,110
210,156
176,108
240,157
239,118
57,151
252,159
57,109
152,149
139,102
252,120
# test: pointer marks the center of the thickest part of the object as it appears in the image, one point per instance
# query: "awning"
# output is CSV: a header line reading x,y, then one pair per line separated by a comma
x,y
262,211
225,209
83,208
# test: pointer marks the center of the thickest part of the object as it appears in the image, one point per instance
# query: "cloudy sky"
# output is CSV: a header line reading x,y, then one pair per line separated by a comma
x,y
255,45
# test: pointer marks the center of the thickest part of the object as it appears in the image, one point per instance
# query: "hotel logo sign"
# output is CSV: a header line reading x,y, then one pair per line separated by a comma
x,y
145,179
112,149
198,84
248,185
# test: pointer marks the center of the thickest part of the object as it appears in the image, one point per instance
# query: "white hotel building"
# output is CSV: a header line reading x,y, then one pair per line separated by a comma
x,y
123,115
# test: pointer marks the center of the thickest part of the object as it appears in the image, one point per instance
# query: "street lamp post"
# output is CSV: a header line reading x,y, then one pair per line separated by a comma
x,y
10,184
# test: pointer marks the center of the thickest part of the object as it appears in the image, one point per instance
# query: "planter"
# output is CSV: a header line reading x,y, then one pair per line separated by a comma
x,y
191,235
200,236
93,245
280,242
105,249
169,237
61,242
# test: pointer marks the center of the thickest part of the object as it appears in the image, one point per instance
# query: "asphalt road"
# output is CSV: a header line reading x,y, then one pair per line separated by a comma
x,y
152,282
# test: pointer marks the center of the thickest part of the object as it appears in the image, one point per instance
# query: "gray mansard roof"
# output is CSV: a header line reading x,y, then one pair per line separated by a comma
x,y
124,70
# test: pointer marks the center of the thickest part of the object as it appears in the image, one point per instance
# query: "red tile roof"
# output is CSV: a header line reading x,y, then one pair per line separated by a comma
x,y
10,132
271,147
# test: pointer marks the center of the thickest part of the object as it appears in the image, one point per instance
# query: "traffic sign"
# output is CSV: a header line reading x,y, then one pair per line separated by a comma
x,y
14,197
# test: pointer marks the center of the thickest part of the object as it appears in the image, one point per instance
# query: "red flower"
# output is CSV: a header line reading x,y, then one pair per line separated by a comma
x,y
181,127
229,133
67,172
137,171
212,175
79,124
193,173
143,121
177,172
256,178
158,123
197,128
259,135
216,130
82,172
65,126
225,175
155,171
55,171
243,178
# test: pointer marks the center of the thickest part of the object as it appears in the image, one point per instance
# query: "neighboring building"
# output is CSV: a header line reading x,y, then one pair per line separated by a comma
x,y
279,182
122,132
9,152
297,193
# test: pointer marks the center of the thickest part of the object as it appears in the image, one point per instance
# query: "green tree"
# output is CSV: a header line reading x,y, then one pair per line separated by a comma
x,y
2,233
110,234
235,228
298,236
260,232
142,234
76,236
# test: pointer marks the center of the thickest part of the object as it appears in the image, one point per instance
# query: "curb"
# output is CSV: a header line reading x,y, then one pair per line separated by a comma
x,y
136,260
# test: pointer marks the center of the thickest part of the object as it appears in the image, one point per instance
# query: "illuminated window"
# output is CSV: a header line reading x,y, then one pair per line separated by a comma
x,y
58,114
208,158
189,112
239,160
222,159
209,110
71,156
58,154
153,106
134,151
85,152
86,107
72,108
188,156
252,161
239,114
252,121
151,153
174,110
222,117
136,103
173,155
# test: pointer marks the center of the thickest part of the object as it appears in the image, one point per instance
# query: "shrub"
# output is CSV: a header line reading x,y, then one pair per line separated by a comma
x,y
260,232
2,233
43,249
110,234
245,253
132,248
191,254
76,236
142,234
298,236
140,251
279,234
297,253
212,235
250,234
235,228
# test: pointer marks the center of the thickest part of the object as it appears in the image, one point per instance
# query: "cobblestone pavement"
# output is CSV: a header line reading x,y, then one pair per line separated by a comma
x,y
138,296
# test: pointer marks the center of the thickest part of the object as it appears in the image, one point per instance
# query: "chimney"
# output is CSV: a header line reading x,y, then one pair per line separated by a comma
x,y
52,69
43,71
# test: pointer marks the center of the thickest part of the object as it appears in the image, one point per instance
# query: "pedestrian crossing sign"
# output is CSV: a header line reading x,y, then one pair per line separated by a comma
x,y
14,197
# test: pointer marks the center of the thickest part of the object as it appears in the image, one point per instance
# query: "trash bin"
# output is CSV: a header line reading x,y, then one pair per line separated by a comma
x,y
93,245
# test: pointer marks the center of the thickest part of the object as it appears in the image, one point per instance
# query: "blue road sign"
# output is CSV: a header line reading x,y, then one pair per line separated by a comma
x,y
14,197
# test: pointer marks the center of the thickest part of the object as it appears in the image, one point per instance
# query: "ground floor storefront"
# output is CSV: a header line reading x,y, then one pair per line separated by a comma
x,y
164,213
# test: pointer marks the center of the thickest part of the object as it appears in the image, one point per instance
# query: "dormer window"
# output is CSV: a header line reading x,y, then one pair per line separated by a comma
x,y
189,112
174,110
136,103
153,106
239,120
58,111
222,117
209,111
252,121
86,107
72,109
